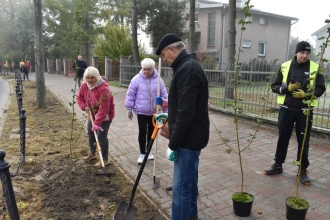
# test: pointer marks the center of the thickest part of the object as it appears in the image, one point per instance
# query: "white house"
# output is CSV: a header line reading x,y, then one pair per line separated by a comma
x,y
322,32
267,37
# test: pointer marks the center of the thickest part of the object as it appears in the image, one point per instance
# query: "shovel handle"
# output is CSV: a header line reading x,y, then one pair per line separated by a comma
x,y
154,134
97,141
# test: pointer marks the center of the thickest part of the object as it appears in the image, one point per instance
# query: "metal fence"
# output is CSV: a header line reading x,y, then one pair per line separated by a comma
x,y
107,67
253,88
128,69
9,205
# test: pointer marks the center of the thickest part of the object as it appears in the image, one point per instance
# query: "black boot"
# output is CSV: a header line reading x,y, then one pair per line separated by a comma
x,y
168,188
276,168
304,179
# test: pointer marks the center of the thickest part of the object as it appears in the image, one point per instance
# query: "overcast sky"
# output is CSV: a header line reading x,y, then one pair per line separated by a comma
x,y
311,14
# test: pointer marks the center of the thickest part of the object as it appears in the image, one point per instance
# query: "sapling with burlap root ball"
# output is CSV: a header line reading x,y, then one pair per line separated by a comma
x,y
309,99
77,36
242,196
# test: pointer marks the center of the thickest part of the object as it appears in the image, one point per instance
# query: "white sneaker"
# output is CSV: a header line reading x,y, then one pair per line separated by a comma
x,y
151,156
140,160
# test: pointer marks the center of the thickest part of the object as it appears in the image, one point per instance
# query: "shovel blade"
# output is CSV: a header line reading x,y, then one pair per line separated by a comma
x,y
105,174
155,185
124,212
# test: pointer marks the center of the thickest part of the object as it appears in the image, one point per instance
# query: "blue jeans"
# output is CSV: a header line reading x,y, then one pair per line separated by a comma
x,y
185,180
26,75
102,137
6,71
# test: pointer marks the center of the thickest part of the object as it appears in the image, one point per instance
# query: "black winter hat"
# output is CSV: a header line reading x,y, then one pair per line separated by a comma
x,y
167,40
303,46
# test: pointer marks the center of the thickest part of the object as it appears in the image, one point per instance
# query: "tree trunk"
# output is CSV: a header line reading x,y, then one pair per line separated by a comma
x,y
192,27
134,34
86,45
39,56
229,88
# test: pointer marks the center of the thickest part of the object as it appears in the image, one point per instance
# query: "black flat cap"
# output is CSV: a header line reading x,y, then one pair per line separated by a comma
x,y
167,40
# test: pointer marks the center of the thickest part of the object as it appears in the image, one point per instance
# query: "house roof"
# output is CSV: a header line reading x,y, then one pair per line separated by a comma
x,y
321,29
203,4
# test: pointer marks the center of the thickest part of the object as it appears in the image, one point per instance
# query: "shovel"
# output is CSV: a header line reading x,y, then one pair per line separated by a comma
x,y
127,211
100,153
156,182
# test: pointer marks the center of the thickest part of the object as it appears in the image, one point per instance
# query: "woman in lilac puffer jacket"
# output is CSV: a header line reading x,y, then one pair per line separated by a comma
x,y
140,98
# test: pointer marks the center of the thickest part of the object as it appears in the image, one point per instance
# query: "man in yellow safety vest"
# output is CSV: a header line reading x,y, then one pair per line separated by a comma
x,y
293,85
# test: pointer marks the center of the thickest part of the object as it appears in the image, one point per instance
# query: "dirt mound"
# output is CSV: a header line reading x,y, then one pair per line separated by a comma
x,y
54,182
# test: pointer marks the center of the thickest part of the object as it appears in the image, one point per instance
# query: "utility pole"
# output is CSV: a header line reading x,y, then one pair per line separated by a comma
x,y
192,26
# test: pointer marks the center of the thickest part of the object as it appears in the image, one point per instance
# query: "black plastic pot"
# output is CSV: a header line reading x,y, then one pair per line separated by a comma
x,y
243,209
293,213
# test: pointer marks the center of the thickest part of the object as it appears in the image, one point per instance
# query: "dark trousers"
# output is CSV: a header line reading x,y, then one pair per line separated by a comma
x,y
79,78
286,120
145,131
102,137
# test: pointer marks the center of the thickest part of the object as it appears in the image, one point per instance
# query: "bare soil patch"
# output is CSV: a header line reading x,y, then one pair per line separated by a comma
x,y
54,182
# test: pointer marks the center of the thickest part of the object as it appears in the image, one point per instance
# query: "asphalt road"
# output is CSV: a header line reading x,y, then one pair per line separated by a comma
x,y
4,97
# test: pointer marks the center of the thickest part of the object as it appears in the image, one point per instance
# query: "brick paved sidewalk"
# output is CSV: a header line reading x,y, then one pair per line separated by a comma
x,y
219,172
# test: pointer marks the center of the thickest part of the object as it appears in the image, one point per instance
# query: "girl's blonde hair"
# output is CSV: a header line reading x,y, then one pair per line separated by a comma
x,y
92,71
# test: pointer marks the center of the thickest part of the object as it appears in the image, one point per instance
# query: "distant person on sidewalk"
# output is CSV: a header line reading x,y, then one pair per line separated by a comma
x,y
6,68
27,67
95,98
79,65
12,66
188,123
140,96
291,85
21,66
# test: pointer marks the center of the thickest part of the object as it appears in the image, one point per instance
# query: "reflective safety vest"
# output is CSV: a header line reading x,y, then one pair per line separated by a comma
x,y
285,72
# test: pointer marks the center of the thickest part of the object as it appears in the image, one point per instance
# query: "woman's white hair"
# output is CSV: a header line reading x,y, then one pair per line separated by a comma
x,y
148,63
92,71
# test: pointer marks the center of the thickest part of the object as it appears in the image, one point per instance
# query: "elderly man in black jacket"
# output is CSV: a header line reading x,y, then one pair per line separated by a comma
x,y
80,65
188,123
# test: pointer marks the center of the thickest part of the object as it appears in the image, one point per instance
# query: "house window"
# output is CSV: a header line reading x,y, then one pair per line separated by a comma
x,y
262,49
263,21
246,19
246,43
197,36
211,37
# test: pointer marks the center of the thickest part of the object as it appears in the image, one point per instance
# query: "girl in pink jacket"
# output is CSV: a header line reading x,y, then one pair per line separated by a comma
x,y
95,98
